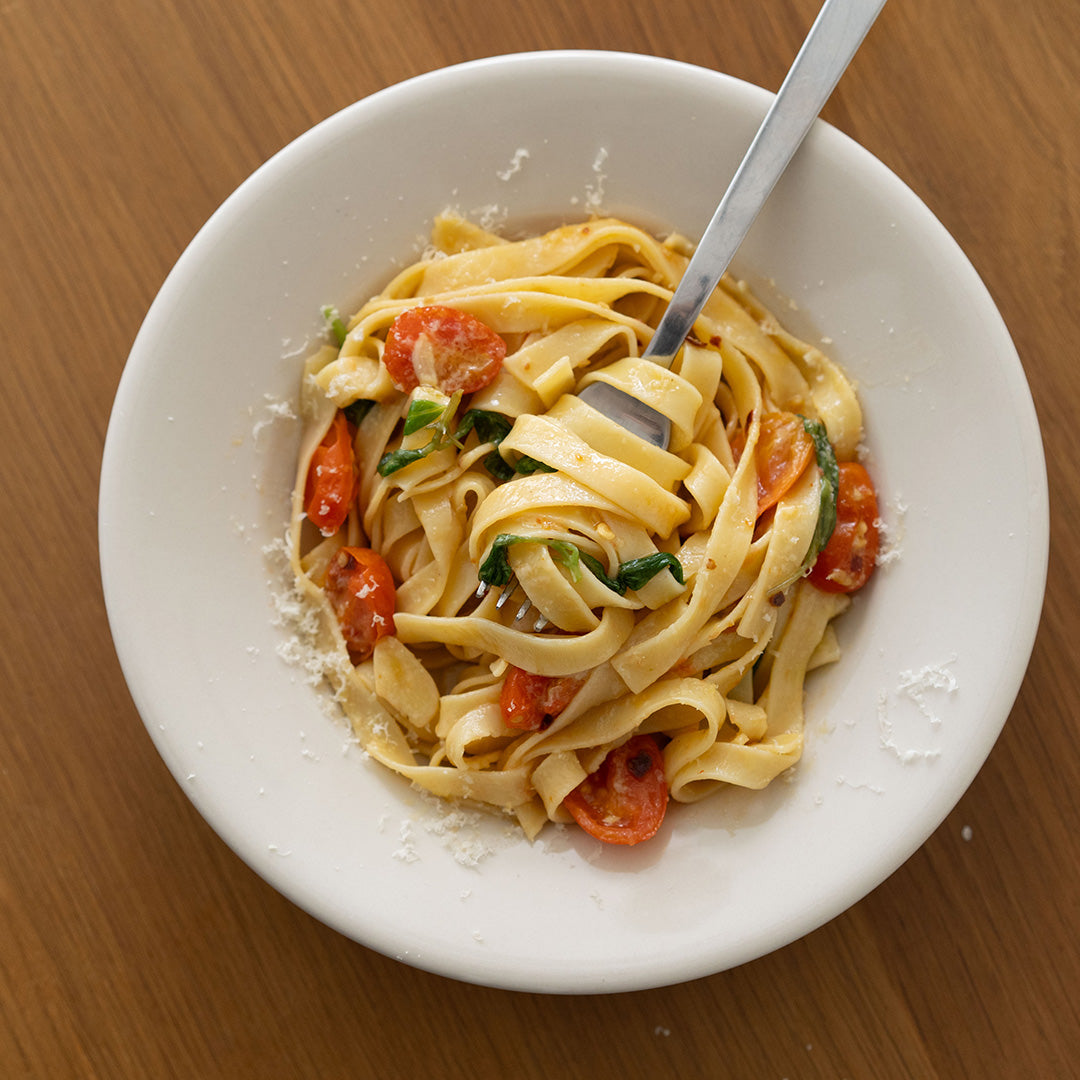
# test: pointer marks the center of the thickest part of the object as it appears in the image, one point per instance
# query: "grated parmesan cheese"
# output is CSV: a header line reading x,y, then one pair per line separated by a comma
x,y
932,677
276,409
892,534
516,163
843,781
407,852
300,620
457,828
915,686
594,192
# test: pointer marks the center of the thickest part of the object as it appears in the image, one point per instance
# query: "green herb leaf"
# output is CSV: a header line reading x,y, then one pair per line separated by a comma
x,y
493,427
596,568
356,412
637,572
337,325
442,425
830,484
393,460
498,467
568,555
490,426
528,465
495,569
633,574
422,413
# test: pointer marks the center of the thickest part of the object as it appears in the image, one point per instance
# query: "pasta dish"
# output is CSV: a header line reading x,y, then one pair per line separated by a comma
x,y
520,604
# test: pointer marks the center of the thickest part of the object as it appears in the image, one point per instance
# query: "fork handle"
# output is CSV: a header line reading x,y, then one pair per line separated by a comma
x,y
832,41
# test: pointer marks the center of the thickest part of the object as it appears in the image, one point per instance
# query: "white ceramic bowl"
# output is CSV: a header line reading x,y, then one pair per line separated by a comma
x,y
199,460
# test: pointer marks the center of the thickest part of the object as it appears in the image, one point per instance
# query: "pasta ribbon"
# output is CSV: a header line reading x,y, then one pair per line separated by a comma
x,y
658,580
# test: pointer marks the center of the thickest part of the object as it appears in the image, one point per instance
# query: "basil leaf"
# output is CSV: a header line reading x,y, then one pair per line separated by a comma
x,y
498,467
442,425
490,426
830,484
495,569
568,555
596,568
337,326
528,465
493,427
637,572
422,413
633,574
356,412
397,459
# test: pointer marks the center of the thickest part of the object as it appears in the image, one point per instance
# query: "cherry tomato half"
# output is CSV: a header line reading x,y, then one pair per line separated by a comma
x,y
444,347
847,560
624,801
530,702
360,588
331,478
784,449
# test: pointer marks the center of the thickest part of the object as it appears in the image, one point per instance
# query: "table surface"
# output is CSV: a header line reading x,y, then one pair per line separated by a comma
x,y
134,943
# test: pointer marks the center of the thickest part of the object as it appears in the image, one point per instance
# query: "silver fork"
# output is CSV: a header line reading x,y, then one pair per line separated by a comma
x,y
508,590
832,41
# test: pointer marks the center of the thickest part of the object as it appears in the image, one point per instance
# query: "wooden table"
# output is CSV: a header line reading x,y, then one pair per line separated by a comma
x,y
133,943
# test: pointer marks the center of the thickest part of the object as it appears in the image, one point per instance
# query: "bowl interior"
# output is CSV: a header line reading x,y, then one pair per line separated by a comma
x,y
199,463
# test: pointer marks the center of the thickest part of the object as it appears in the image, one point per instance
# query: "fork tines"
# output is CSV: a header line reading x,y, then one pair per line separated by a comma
x,y
507,592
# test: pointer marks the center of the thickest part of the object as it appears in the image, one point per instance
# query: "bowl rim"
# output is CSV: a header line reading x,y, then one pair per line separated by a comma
x,y
121,614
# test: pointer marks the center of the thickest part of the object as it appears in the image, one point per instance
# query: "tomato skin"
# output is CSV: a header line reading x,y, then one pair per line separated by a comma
x,y
847,560
625,800
530,702
331,479
461,352
784,449
360,588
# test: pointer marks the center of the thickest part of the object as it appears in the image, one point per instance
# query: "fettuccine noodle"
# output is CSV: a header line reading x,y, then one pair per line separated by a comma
x,y
714,665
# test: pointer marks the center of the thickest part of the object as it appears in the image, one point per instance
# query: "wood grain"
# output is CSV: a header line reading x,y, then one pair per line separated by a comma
x,y
133,943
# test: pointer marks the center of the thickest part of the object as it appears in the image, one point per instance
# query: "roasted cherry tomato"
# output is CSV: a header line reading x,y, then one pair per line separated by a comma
x,y
443,347
331,479
784,449
530,702
360,589
624,801
847,560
